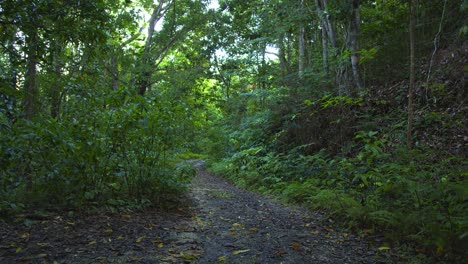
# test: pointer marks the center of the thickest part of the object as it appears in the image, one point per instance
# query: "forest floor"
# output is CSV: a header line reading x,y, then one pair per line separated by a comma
x,y
219,223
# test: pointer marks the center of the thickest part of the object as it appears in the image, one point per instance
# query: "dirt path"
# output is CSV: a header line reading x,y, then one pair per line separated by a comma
x,y
220,224
243,227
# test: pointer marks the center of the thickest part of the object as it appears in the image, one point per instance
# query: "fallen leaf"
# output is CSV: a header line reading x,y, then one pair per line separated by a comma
x,y
71,223
43,244
237,252
25,235
18,250
384,248
189,255
126,216
160,245
253,229
280,253
140,239
222,259
296,246
43,255
237,224
92,243
120,237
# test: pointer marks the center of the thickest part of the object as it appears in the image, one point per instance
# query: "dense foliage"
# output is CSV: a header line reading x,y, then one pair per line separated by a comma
x,y
322,139
306,100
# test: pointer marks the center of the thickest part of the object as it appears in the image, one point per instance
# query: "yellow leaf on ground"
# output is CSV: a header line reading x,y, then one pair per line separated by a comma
x,y
236,224
253,229
108,230
237,252
25,235
43,244
140,239
222,259
160,245
120,237
43,255
92,243
296,246
384,248
18,250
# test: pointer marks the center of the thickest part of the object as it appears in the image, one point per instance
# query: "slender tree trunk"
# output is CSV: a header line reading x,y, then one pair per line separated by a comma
x,y
30,83
302,44
328,25
145,77
353,42
56,86
409,136
144,80
323,25
31,93
324,50
282,56
301,55
9,98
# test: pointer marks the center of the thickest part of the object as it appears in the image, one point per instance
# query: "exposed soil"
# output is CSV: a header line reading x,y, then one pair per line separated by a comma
x,y
220,224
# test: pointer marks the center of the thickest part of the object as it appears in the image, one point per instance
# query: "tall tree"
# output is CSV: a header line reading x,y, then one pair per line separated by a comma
x,y
354,28
147,61
409,136
302,43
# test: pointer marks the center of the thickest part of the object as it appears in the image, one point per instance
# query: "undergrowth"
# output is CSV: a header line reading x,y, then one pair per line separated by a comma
x,y
410,195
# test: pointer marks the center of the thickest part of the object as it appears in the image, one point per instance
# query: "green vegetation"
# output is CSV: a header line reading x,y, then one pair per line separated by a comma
x,y
330,104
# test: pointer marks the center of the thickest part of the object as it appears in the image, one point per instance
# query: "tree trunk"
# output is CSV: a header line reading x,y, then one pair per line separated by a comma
x,y
282,56
302,44
328,24
324,49
324,37
144,80
56,86
353,42
30,83
301,55
145,77
409,136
